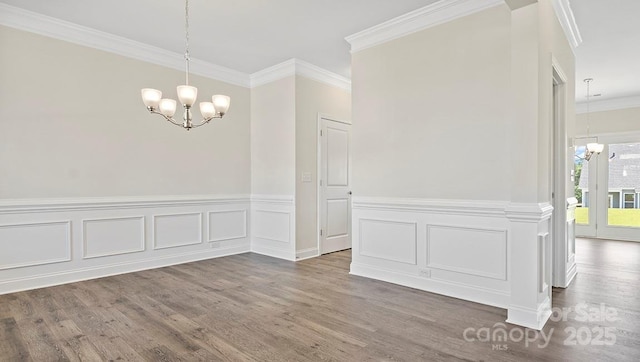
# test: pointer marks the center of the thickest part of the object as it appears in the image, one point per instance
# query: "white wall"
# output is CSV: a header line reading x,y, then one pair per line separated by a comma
x,y
312,97
424,104
76,127
451,142
273,138
91,184
615,121
273,130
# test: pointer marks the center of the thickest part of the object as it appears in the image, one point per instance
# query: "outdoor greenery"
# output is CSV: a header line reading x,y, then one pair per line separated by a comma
x,y
617,217
576,189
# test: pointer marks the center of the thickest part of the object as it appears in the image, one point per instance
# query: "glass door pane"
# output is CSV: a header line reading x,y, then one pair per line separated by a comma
x,y
581,185
624,185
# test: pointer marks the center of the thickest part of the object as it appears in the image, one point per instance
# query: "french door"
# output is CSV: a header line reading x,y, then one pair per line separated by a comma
x,y
608,189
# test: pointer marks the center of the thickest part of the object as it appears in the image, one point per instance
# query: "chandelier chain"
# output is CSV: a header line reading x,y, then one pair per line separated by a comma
x,y
186,32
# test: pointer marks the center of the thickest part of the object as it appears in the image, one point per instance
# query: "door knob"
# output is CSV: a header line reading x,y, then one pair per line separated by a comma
x,y
349,192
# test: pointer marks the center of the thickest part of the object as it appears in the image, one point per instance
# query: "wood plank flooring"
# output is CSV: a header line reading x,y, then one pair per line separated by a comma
x,y
254,308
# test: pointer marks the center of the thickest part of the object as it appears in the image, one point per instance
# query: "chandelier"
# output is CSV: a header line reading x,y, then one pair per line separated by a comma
x,y
593,148
187,94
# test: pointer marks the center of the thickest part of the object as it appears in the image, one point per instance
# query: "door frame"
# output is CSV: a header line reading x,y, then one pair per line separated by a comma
x,y
562,238
319,119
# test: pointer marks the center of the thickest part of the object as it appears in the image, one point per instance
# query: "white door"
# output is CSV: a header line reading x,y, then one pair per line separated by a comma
x,y
335,195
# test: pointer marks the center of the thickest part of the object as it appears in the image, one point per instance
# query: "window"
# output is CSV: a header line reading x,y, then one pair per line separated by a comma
x,y
629,200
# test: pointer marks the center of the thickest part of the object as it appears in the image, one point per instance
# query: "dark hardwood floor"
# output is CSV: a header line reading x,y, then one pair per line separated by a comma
x,y
255,308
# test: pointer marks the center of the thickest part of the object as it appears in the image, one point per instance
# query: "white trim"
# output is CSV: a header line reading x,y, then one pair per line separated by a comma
x,y
273,73
244,232
76,275
609,104
452,207
307,254
495,298
417,20
293,67
22,19
529,212
273,252
42,262
567,21
85,244
21,206
528,317
316,73
273,199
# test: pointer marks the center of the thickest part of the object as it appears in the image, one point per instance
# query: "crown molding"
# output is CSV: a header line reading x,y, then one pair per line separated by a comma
x,y
567,21
417,20
322,75
22,19
298,67
609,104
273,73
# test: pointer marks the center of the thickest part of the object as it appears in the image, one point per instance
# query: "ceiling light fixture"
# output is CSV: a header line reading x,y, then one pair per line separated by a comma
x,y
187,94
593,148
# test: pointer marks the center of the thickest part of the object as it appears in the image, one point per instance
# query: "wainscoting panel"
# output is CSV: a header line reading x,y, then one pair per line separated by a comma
x,y
456,248
273,226
49,242
23,245
388,240
474,251
112,236
174,230
227,225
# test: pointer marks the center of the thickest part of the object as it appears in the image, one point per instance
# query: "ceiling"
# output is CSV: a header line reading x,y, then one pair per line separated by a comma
x,y
251,35
609,52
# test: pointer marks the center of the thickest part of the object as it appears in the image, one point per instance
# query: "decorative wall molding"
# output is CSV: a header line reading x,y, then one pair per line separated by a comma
x,y
417,20
609,104
529,212
293,67
488,252
567,21
493,239
22,19
175,229
45,244
452,207
228,223
107,236
458,248
21,206
376,243
273,226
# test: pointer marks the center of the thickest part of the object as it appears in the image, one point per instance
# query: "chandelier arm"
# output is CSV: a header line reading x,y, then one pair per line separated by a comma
x,y
170,119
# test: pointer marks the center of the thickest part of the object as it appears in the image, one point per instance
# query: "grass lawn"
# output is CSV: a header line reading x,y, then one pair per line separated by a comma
x,y
617,217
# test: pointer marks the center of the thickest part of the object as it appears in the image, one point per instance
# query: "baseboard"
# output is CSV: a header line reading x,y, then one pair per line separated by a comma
x,y
479,295
307,254
273,252
77,275
529,317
